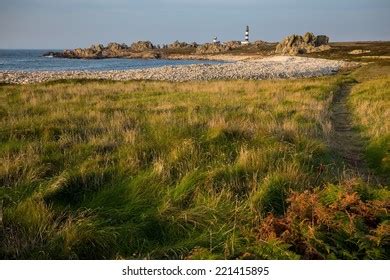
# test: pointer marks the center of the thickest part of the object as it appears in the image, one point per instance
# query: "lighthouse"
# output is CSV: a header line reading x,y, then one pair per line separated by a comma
x,y
246,41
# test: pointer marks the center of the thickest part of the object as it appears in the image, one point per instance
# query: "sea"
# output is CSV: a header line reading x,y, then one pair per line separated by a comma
x,y
33,60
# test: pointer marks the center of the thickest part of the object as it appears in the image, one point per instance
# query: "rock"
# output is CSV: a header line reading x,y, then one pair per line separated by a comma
x,y
357,52
182,45
115,50
232,45
321,40
141,46
97,48
116,47
142,49
215,48
145,49
92,52
194,44
259,43
178,45
309,38
211,48
308,43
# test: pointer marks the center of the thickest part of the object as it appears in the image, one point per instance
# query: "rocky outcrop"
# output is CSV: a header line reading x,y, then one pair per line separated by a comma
x,y
142,46
146,49
210,48
321,40
308,43
216,48
259,43
182,45
114,50
141,49
117,47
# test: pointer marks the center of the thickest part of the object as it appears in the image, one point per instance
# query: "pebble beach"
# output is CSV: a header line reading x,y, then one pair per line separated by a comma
x,y
276,67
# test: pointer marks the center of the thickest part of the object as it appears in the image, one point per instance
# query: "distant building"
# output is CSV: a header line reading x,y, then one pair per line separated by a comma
x,y
246,40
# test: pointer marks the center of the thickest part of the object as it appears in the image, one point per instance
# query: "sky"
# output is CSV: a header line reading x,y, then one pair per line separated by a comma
x,y
53,24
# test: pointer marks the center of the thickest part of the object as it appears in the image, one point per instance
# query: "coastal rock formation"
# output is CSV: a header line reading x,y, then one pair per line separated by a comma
x,y
117,47
141,49
146,49
215,48
308,43
321,40
93,51
142,46
114,50
258,43
210,48
232,44
182,45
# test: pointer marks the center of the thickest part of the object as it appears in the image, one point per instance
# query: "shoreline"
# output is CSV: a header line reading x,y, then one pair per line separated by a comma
x,y
274,67
199,57
217,57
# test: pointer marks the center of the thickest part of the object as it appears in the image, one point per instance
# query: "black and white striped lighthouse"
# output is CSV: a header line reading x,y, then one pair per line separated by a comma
x,y
246,41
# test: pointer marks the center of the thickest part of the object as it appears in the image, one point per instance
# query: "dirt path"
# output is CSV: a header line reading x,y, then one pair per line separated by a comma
x,y
345,141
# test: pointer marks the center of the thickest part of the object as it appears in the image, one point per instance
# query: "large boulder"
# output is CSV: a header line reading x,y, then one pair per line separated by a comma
x,y
116,47
142,46
91,52
309,38
210,48
115,50
97,48
215,48
321,40
308,43
178,45
259,43
230,45
181,45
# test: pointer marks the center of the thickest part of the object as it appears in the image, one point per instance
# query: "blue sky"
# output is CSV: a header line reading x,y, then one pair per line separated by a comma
x,y
80,23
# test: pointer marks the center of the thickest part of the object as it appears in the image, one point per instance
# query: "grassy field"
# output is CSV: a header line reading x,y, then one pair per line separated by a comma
x,y
371,106
197,170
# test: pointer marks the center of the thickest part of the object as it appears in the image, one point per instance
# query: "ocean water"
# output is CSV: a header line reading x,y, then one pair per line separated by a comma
x,y
33,60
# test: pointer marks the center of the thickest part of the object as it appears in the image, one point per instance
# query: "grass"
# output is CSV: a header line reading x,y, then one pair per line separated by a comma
x,y
196,170
377,52
370,100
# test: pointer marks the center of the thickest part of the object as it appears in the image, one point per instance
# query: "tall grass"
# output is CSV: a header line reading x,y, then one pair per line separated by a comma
x,y
370,101
192,170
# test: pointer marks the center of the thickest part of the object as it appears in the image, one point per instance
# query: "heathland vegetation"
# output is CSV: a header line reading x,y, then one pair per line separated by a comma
x,y
195,170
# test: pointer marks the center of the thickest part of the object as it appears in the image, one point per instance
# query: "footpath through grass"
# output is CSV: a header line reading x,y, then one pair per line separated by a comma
x,y
197,170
